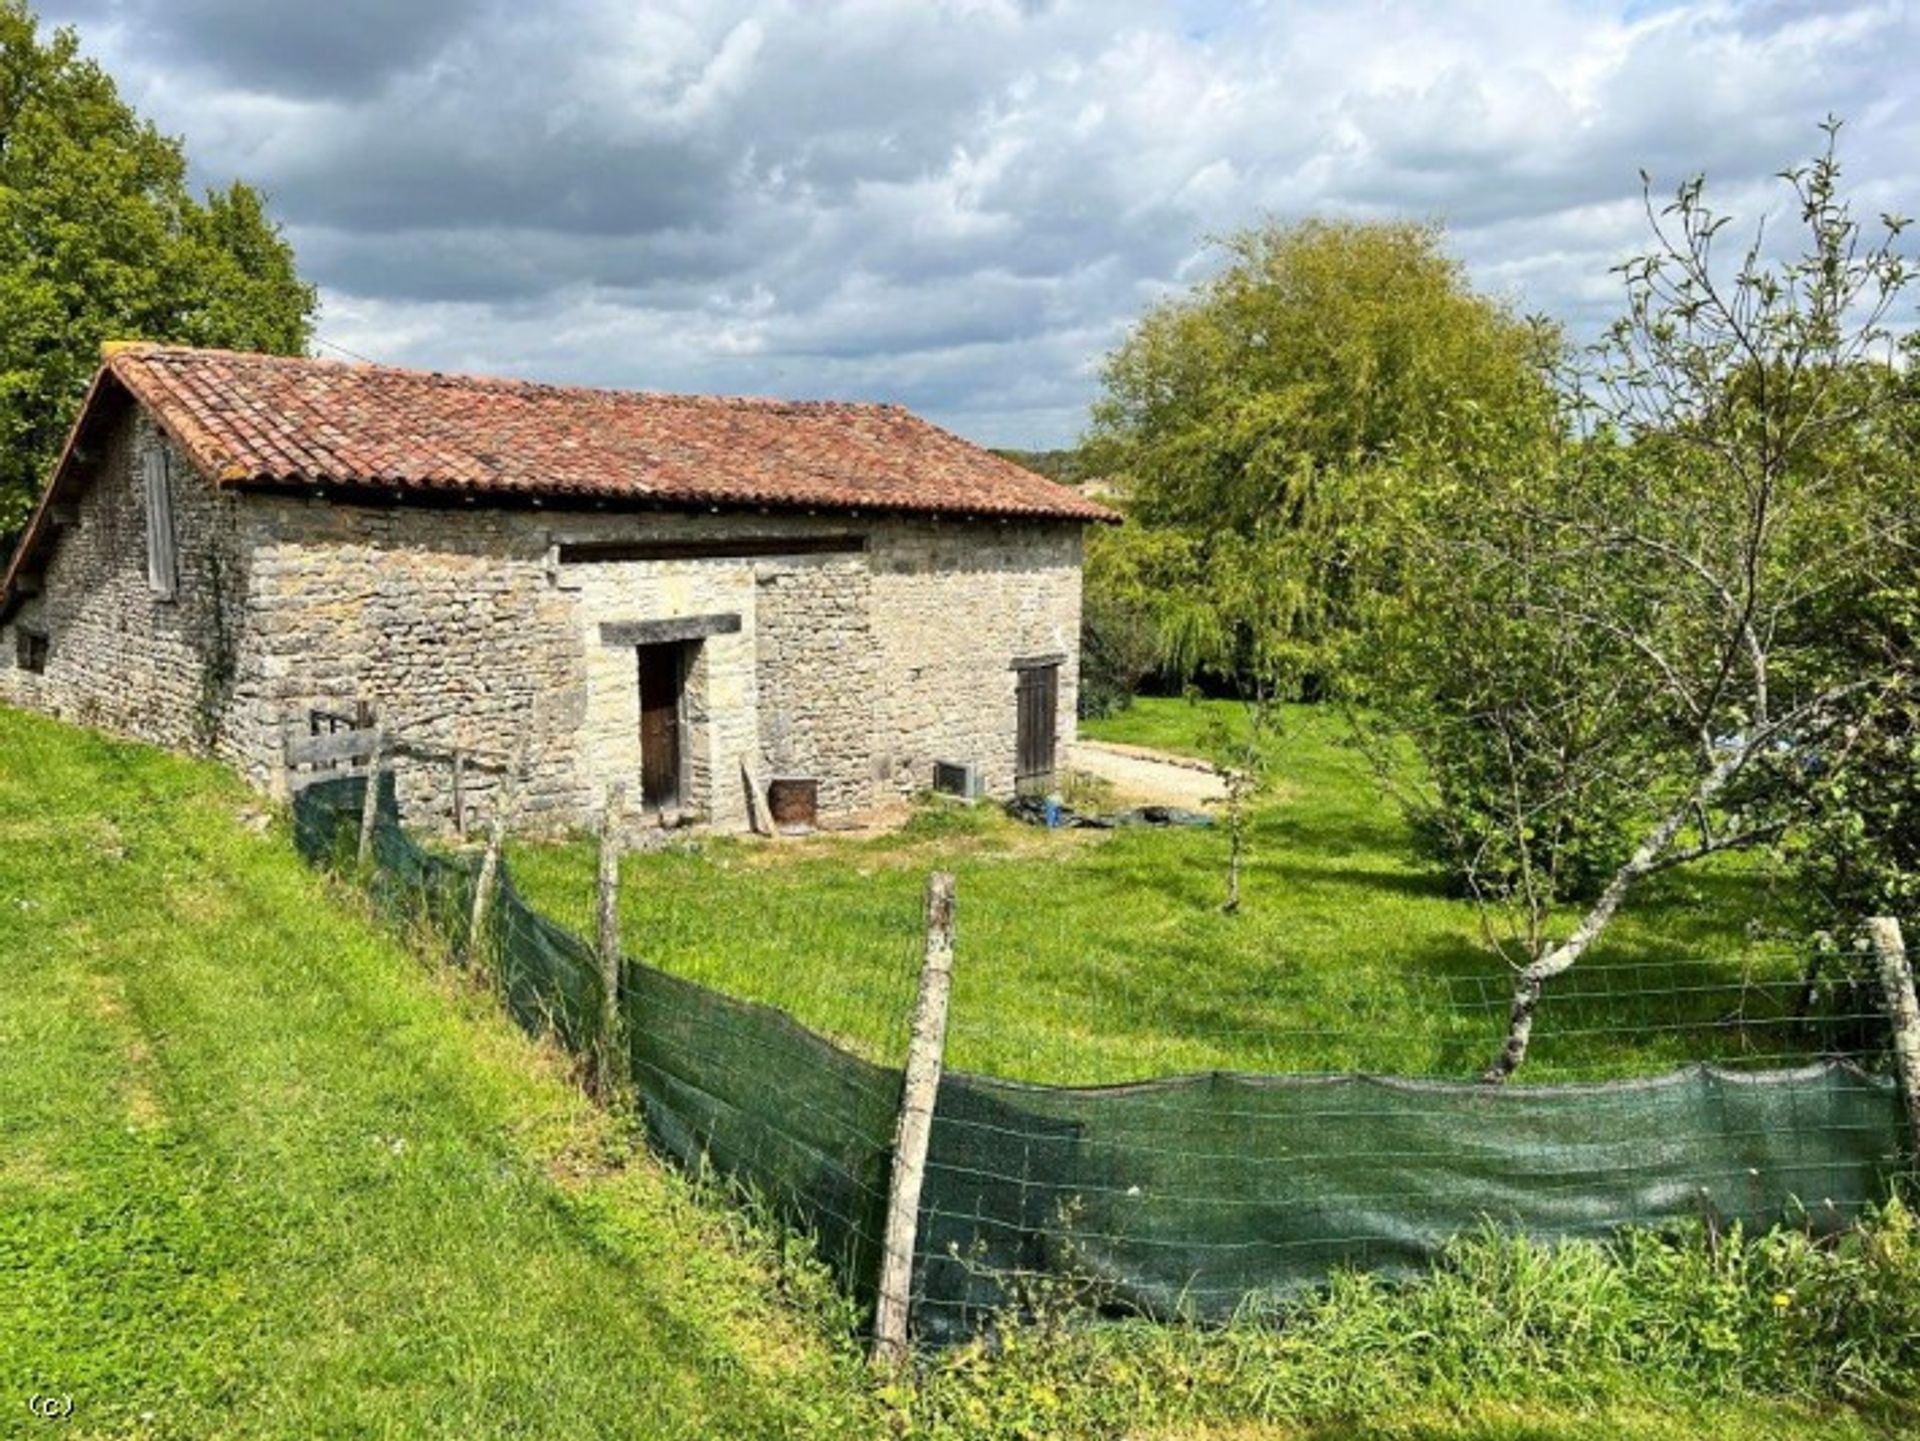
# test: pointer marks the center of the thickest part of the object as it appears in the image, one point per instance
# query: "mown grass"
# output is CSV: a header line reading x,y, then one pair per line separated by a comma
x,y
263,1174
1103,956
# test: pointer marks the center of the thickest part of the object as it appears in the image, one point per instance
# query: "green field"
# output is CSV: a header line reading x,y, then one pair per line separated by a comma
x,y
265,1171
1103,956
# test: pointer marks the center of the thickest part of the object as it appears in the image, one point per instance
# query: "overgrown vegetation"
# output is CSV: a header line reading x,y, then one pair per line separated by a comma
x,y
1650,1335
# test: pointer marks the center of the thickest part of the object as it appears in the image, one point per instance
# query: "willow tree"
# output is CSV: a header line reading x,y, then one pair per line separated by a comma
x,y
1315,348
1233,419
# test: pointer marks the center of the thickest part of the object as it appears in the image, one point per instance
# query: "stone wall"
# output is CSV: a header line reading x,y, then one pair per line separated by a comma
x,y
820,674
463,629
121,657
721,713
861,667
445,623
954,605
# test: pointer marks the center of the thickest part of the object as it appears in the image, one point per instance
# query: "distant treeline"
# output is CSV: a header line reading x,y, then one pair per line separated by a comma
x,y
1064,466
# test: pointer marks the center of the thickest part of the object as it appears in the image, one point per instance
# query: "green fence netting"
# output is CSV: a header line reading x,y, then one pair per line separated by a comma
x,y
743,1088
548,977
1186,1197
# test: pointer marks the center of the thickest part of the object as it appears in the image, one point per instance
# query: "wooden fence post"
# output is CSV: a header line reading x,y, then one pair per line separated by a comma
x,y
503,807
609,938
915,1129
1903,1012
460,794
370,803
759,816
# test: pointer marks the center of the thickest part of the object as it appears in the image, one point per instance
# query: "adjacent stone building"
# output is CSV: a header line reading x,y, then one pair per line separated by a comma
x,y
667,592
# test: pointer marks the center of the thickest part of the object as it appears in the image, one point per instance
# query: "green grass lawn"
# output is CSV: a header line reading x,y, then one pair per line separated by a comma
x,y
266,1172
1103,956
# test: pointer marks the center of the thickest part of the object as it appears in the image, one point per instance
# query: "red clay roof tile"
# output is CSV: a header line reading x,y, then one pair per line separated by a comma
x,y
253,420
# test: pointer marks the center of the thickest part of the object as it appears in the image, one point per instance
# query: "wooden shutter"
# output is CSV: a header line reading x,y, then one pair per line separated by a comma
x,y
163,561
1039,698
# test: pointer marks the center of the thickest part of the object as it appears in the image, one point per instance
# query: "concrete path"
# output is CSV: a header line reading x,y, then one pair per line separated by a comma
x,y
1148,777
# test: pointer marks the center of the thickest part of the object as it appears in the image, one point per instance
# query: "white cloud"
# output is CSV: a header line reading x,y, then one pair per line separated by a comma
x,y
960,203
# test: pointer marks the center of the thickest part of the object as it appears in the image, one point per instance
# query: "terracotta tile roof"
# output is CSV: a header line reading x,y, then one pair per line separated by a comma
x,y
255,420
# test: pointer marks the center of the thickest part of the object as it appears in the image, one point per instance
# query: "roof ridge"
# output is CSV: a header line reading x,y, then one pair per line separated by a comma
x,y
144,354
318,426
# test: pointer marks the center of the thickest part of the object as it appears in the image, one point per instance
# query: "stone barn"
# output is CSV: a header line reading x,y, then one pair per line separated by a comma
x,y
667,592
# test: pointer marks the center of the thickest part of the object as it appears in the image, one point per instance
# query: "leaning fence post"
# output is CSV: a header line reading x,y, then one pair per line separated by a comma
x,y
503,806
370,803
460,793
1903,1011
915,1129
609,937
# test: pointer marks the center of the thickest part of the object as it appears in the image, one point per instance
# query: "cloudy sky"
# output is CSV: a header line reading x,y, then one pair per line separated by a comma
x,y
958,204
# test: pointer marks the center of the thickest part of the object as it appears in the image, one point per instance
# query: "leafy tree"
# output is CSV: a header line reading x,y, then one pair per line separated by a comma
x,y
100,239
1860,856
1060,465
1234,416
1318,347
1122,584
1619,648
1233,420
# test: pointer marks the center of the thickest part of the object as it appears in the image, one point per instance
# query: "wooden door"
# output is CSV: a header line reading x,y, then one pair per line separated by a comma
x,y
1039,702
662,671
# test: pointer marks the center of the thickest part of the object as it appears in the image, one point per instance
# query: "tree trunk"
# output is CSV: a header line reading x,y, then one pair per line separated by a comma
x,y
1243,782
1234,835
1530,979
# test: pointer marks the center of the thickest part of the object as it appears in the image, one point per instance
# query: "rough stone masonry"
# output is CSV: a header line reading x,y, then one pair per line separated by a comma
x,y
853,648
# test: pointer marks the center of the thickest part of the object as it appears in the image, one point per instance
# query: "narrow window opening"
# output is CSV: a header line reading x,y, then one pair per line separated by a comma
x,y
30,650
162,557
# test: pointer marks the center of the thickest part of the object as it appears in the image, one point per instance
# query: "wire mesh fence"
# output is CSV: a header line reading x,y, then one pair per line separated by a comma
x,y
1748,1092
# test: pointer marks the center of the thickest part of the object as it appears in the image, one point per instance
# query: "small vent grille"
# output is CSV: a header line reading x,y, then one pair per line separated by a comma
x,y
950,778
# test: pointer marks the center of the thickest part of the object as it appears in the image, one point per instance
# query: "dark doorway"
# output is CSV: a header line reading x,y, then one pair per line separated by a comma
x,y
1039,702
663,676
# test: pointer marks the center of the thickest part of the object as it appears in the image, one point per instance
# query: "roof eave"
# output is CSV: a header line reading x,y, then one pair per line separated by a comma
x,y
39,524
462,497
122,371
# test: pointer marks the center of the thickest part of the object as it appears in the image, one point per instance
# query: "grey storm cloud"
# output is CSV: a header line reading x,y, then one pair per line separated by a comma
x,y
958,204
340,47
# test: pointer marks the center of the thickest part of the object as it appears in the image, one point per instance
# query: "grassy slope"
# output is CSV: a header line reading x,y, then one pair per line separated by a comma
x,y
1100,957
261,1174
